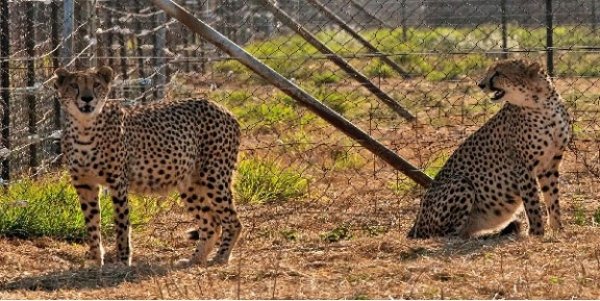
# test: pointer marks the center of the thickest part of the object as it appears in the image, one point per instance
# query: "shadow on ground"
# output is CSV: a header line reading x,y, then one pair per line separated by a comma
x,y
456,247
90,278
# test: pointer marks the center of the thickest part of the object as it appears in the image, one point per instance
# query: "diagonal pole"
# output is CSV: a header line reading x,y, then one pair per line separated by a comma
x,y
338,60
359,7
384,58
323,111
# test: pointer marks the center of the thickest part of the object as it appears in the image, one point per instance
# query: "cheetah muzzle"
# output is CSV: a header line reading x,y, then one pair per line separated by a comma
x,y
489,84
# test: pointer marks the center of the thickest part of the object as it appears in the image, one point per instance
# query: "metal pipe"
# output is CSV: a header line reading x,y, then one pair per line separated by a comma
x,y
5,84
359,7
549,38
504,29
384,58
339,122
338,60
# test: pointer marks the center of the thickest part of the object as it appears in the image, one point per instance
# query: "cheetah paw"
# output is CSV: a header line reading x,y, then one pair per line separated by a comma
x,y
186,263
219,261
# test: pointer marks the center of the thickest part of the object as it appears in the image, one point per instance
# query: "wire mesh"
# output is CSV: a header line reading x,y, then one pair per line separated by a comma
x,y
443,45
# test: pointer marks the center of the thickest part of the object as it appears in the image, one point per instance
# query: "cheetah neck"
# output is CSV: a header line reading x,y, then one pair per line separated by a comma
x,y
111,114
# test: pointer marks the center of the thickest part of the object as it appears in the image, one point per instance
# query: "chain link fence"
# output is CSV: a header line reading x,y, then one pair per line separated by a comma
x,y
424,55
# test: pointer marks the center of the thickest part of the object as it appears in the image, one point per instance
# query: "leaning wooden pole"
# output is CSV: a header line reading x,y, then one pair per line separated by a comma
x,y
372,49
338,60
222,42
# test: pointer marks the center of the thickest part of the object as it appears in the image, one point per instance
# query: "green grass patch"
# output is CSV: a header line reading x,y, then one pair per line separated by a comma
x,y
378,69
578,214
266,180
597,216
264,114
50,207
339,233
346,159
424,52
229,65
290,234
325,77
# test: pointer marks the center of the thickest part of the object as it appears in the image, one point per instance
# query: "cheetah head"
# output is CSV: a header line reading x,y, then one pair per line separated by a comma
x,y
83,93
519,82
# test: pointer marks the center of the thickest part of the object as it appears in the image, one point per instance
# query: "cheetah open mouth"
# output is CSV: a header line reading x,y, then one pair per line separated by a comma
x,y
497,94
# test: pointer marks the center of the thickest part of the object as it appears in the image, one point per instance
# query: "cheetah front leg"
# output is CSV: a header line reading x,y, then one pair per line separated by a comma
x,y
122,223
531,201
88,199
549,182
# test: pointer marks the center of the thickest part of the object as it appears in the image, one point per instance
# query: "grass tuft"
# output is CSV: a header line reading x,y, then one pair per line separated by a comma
x,y
325,77
339,233
379,69
50,207
262,181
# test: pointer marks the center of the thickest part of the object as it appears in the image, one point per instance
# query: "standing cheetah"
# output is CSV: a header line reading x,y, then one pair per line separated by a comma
x,y
495,172
189,145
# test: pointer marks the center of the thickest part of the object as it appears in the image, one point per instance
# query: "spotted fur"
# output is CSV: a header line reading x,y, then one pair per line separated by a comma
x,y
495,173
190,145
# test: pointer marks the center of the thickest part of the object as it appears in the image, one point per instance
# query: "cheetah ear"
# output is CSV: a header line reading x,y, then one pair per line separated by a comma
x,y
534,69
106,73
61,76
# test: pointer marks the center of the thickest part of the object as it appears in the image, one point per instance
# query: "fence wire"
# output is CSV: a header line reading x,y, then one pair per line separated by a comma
x,y
444,46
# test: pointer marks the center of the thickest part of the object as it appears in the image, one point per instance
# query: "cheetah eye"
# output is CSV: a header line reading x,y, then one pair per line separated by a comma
x,y
96,85
74,86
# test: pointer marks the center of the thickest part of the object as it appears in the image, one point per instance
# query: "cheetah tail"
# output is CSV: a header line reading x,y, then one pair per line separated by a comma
x,y
193,234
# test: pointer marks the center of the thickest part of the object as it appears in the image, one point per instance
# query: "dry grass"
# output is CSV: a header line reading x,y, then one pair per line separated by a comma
x,y
371,264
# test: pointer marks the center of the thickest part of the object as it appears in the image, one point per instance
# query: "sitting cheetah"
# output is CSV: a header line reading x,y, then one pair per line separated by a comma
x,y
189,145
495,172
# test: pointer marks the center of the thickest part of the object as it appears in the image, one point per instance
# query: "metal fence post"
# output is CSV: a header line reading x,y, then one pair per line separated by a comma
x,y
54,37
403,22
123,58
92,33
66,51
371,16
110,38
30,74
139,51
594,19
504,29
549,38
159,52
5,85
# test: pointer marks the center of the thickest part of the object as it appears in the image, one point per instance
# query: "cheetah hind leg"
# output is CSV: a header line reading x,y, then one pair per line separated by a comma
x,y
231,233
460,207
455,198
198,200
